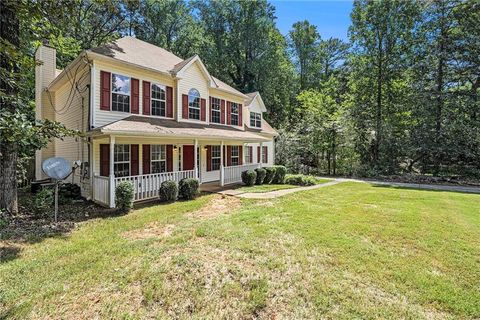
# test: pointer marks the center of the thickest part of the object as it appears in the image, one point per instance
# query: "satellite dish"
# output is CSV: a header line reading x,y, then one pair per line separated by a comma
x,y
57,168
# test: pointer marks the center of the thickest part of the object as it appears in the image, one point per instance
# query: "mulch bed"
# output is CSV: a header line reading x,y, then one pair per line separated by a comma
x,y
29,227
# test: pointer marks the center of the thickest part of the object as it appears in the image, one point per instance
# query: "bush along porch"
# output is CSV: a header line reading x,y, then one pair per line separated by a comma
x,y
148,162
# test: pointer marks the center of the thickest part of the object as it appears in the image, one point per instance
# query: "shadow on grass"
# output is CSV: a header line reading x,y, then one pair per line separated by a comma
x,y
431,188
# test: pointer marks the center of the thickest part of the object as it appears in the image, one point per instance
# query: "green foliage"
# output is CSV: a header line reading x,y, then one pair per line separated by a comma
x,y
280,172
269,174
69,191
300,180
168,191
261,173
249,177
43,202
188,188
124,196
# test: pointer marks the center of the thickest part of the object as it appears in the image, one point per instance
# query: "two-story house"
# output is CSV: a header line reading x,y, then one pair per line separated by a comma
x,y
148,116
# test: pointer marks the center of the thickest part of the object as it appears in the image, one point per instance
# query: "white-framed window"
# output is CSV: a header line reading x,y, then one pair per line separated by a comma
x,y
158,100
193,104
234,113
215,111
121,160
246,154
265,154
158,158
216,157
255,120
120,93
235,158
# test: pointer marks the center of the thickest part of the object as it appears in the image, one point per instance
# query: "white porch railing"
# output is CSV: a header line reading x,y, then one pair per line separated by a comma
x,y
146,186
101,190
233,174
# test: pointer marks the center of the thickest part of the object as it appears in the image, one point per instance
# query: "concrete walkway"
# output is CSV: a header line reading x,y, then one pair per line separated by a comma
x,y
279,193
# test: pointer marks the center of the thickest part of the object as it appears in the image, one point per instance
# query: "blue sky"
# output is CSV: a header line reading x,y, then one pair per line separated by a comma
x,y
332,18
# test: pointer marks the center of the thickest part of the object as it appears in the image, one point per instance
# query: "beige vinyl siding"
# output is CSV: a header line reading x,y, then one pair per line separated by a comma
x,y
271,152
103,117
253,107
192,78
227,97
140,142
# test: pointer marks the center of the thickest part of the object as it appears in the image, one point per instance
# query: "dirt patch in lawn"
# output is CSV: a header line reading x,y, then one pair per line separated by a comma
x,y
220,204
152,230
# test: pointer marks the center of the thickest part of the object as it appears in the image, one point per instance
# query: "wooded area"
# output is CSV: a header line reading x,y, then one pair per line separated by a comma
x,y
401,96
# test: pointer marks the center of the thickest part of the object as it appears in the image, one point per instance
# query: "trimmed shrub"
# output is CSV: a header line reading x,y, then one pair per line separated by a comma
x,y
43,202
69,191
124,196
280,172
249,177
168,191
269,174
188,188
300,180
261,173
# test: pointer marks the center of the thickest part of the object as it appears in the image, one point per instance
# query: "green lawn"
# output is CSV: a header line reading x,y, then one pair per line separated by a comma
x,y
346,251
273,187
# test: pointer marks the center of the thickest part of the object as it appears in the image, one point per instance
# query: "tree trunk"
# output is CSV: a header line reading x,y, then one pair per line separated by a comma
x,y
9,31
378,114
8,178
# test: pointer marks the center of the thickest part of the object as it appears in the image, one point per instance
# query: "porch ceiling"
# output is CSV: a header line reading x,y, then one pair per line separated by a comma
x,y
158,127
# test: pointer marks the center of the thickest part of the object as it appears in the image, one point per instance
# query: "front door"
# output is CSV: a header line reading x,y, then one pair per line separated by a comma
x,y
188,158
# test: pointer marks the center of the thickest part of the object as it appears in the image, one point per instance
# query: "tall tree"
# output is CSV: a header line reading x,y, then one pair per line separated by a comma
x,y
304,40
20,134
381,35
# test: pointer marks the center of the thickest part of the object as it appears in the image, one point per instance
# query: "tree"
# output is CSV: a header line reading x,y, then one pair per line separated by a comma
x,y
381,36
20,135
304,40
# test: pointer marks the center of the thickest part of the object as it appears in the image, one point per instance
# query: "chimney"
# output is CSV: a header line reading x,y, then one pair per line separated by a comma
x,y
45,69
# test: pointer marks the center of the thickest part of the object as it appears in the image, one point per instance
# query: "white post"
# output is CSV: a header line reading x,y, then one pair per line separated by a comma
x,y
222,169
261,154
112,174
195,159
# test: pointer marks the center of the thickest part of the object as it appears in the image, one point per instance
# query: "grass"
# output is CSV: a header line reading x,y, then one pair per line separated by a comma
x,y
274,187
350,250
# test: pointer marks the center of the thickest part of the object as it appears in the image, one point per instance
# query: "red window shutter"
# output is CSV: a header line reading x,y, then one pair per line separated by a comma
x,y
229,156
169,157
209,158
146,97
222,111
250,154
203,109
240,121
265,153
105,160
146,158
134,159
210,108
184,106
169,102
229,112
105,84
135,95
258,154
240,155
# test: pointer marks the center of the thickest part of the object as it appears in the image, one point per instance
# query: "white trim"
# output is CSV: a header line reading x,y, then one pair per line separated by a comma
x,y
151,100
129,94
92,96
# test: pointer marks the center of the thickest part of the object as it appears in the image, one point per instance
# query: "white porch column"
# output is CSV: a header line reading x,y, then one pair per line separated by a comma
x,y
261,154
222,169
112,174
195,159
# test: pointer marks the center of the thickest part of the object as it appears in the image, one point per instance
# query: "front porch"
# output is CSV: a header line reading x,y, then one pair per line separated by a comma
x,y
219,162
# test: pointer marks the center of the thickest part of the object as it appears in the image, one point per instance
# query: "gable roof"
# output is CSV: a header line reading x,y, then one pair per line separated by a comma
x,y
255,95
180,68
134,51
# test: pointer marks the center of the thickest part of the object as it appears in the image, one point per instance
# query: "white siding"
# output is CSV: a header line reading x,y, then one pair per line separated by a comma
x,y
271,152
192,78
103,117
